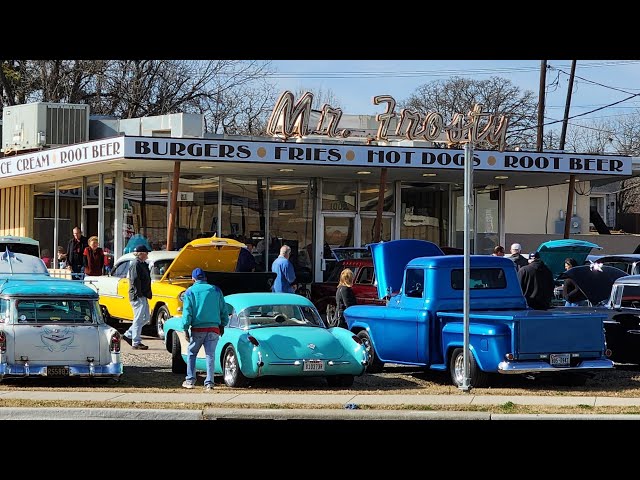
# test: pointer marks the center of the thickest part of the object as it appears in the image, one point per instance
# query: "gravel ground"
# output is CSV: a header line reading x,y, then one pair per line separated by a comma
x,y
150,371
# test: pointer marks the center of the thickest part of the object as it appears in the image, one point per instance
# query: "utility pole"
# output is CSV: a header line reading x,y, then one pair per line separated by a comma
x,y
541,94
572,178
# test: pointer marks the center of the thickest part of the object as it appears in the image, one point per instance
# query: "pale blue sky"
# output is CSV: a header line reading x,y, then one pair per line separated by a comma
x,y
355,82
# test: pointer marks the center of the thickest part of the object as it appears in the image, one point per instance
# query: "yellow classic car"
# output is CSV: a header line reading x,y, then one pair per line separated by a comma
x,y
170,277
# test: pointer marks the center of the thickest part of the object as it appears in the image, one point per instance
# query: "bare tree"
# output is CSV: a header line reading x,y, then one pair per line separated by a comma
x,y
497,95
590,136
320,97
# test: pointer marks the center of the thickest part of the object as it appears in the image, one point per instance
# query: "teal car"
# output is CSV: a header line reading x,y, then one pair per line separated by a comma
x,y
274,334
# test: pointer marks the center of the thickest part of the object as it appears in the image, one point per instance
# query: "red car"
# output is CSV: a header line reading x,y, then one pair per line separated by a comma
x,y
323,295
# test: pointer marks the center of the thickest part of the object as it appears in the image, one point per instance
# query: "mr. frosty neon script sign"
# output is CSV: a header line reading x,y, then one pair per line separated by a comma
x,y
291,119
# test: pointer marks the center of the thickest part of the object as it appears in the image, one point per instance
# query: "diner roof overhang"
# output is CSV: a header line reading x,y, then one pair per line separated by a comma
x,y
345,171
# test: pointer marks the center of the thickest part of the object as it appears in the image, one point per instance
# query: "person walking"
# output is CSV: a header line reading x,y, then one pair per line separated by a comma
x,y
516,256
344,297
139,296
283,268
246,260
75,253
93,258
205,312
536,281
573,296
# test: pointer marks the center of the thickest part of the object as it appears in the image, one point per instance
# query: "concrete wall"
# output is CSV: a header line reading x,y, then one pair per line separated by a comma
x,y
536,210
611,244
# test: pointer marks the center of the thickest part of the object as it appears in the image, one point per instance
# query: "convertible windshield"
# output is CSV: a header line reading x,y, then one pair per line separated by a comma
x,y
280,315
56,311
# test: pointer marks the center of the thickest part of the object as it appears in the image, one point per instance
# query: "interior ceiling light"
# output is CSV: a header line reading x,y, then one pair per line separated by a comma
x,y
429,174
501,177
363,172
521,186
205,166
286,170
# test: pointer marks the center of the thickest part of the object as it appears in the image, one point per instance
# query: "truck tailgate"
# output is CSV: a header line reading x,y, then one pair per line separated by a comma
x,y
545,331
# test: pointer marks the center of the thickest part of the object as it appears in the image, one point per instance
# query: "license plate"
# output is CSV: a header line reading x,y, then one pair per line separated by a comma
x,y
57,371
313,366
560,359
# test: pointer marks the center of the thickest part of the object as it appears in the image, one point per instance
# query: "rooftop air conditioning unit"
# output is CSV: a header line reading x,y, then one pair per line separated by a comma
x,y
38,125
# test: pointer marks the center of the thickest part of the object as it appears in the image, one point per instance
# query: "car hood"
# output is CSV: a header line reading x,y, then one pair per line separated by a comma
x,y
554,252
390,258
210,254
594,281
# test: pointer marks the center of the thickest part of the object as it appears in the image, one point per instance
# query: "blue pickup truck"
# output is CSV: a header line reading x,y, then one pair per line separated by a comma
x,y
423,323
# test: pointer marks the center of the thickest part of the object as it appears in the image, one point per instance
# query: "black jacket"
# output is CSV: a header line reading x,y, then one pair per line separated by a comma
x,y
139,280
571,292
344,298
75,253
536,281
520,261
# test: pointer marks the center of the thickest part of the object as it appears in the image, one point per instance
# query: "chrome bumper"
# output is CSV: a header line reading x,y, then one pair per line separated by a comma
x,y
111,370
531,367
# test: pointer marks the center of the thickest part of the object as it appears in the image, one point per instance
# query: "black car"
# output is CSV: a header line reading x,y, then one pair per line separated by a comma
x,y
614,292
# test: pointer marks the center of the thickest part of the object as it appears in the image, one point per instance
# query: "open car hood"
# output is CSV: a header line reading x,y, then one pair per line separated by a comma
x,y
210,254
554,252
390,258
595,283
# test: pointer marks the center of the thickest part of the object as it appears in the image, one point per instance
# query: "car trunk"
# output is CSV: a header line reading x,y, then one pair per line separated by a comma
x,y
49,343
293,343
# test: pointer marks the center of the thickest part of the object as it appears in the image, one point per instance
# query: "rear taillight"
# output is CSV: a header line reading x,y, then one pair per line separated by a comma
x,y
253,340
608,352
356,339
3,342
114,344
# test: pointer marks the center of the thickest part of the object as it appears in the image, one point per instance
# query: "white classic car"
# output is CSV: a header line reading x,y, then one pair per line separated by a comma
x,y
52,327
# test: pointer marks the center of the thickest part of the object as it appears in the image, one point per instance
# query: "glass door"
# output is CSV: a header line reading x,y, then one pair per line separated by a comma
x,y
337,231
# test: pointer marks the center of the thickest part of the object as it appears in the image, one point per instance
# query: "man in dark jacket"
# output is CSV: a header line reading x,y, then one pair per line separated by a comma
x,y
75,253
139,295
516,256
536,281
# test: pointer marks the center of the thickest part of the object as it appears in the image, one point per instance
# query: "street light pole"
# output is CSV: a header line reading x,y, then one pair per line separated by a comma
x,y
468,212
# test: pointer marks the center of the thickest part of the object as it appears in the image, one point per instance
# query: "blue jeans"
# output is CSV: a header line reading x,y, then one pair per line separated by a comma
x,y
141,317
199,339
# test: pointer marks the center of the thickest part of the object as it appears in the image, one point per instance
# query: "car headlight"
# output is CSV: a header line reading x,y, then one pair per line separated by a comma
x,y
181,297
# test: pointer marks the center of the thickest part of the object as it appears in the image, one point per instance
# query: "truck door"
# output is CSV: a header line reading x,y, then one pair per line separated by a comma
x,y
408,322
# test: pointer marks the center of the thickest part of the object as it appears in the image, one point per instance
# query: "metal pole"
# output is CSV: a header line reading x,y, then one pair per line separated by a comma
x,y
468,215
572,178
383,184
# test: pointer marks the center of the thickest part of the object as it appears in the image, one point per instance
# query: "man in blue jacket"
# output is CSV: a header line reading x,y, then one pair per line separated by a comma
x,y
206,313
286,275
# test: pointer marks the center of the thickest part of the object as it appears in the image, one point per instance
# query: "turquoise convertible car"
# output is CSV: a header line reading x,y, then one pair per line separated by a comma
x,y
274,334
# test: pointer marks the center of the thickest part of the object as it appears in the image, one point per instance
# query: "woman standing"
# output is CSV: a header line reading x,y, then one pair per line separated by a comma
x,y
571,293
93,258
344,297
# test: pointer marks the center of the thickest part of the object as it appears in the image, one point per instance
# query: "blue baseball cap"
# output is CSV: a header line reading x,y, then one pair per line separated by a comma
x,y
198,274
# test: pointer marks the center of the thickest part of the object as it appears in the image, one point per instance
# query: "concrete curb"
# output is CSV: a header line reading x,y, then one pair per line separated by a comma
x,y
26,413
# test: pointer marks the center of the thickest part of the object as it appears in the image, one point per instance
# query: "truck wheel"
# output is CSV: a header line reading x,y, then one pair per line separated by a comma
x,y
478,378
374,365
178,365
233,377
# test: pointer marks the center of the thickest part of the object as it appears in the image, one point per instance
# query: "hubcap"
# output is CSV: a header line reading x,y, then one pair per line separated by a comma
x,y
162,317
458,369
367,347
230,367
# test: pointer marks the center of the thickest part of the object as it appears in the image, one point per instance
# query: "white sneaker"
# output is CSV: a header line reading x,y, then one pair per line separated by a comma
x,y
187,384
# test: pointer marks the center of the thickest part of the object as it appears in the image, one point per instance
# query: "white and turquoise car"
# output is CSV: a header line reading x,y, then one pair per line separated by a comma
x,y
52,327
274,334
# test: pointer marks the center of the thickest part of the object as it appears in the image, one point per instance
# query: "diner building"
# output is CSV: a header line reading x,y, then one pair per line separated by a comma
x,y
115,179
